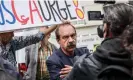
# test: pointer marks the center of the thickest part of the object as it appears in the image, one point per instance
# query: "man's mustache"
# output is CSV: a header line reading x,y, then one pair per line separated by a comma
x,y
71,44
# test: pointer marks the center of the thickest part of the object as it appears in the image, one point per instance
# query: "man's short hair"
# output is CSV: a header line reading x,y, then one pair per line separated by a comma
x,y
57,29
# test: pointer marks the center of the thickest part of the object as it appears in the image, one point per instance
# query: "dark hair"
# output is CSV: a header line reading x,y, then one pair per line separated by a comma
x,y
117,17
127,37
57,29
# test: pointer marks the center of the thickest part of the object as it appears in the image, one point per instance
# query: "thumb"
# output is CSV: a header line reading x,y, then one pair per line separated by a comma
x,y
67,66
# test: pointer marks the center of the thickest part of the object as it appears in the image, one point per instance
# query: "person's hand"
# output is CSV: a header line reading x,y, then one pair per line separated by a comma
x,y
48,30
42,29
66,21
64,71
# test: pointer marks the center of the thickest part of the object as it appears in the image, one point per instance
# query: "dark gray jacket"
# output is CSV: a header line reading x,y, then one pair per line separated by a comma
x,y
110,54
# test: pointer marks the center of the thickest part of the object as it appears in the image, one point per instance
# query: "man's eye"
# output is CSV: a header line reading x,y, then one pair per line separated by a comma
x,y
65,37
73,35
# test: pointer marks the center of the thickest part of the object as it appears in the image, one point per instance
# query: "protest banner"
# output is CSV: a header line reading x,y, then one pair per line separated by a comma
x,y
20,14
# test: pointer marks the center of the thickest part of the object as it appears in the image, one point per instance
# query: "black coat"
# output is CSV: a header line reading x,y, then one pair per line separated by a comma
x,y
110,52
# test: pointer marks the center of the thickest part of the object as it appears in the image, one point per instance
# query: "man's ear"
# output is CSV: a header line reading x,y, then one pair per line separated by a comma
x,y
58,41
107,31
100,31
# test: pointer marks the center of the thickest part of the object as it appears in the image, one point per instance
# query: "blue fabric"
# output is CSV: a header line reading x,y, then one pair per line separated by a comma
x,y
58,59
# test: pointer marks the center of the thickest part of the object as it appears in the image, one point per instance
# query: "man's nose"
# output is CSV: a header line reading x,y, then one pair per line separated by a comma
x,y
71,39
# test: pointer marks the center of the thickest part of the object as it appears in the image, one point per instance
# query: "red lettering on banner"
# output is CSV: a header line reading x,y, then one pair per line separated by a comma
x,y
34,10
23,20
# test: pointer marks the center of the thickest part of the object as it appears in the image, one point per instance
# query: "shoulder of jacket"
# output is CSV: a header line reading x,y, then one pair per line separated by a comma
x,y
83,50
54,57
87,60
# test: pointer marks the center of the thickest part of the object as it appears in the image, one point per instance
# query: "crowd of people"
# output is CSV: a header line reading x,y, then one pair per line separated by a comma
x,y
112,59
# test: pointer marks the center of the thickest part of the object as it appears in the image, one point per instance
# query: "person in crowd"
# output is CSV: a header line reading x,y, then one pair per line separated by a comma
x,y
60,63
4,74
112,59
9,44
36,56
